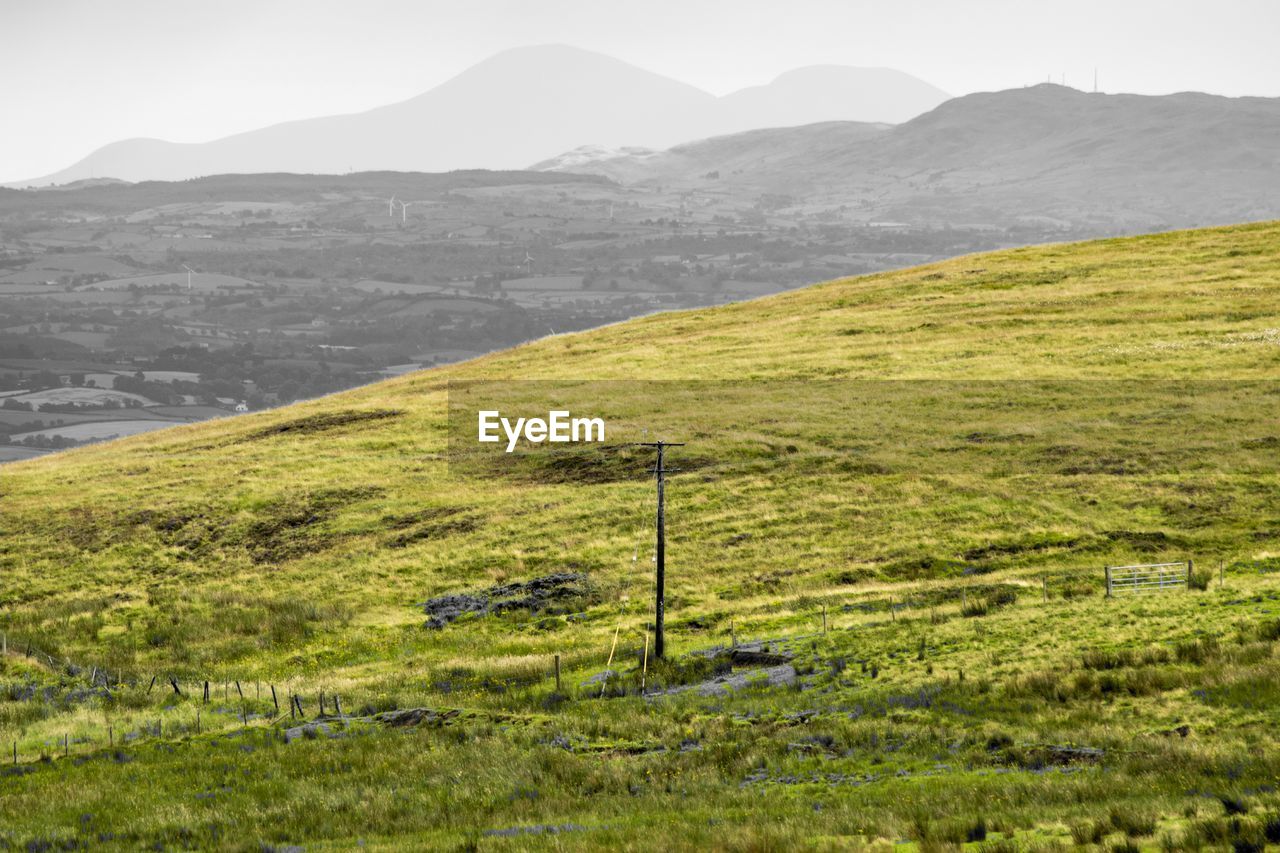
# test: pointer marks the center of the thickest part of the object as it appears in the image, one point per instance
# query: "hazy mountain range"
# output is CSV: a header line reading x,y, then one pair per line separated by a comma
x,y
515,108
1046,151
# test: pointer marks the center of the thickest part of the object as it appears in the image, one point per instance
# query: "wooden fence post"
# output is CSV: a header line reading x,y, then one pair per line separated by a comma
x,y
604,681
274,701
1108,581
644,671
337,704
824,619
646,637
1222,573
238,690
1044,580
206,692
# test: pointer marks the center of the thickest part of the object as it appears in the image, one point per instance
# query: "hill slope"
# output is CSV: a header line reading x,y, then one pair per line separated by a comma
x,y
1190,305
1045,151
516,107
291,548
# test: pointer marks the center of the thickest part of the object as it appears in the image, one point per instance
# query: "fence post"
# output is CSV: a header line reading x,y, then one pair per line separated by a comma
x,y
644,667
1190,572
1044,580
274,700
206,692
646,637
605,681
824,617
1108,581
1222,573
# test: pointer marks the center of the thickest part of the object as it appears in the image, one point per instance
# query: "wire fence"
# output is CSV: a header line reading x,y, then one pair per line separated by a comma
x,y
268,703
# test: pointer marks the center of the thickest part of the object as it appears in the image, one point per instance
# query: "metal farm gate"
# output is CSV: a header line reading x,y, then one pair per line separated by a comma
x,y
1147,577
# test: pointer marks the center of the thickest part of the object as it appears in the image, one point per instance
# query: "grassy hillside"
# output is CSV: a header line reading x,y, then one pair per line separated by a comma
x,y
972,683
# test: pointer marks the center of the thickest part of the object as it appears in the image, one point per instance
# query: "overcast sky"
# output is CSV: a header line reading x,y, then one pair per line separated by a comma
x,y
81,73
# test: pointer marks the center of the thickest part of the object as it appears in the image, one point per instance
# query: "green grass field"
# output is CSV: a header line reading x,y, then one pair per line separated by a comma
x,y
1056,409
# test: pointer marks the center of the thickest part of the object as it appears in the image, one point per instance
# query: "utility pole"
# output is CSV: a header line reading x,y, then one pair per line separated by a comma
x,y
659,644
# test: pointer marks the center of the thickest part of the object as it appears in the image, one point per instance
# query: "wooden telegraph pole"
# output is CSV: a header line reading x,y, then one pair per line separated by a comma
x,y
659,644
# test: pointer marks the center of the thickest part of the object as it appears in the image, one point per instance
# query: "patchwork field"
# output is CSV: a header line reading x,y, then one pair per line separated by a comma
x,y
885,609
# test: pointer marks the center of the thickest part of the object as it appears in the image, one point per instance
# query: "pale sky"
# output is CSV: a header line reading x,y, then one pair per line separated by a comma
x,y
81,73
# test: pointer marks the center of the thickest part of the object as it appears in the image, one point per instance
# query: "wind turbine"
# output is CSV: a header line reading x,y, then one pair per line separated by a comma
x,y
404,211
391,206
190,272
528,262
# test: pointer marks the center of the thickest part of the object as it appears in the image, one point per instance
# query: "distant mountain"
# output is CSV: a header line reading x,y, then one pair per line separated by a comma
x,y
762,157
1044,152
827,92
515,108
